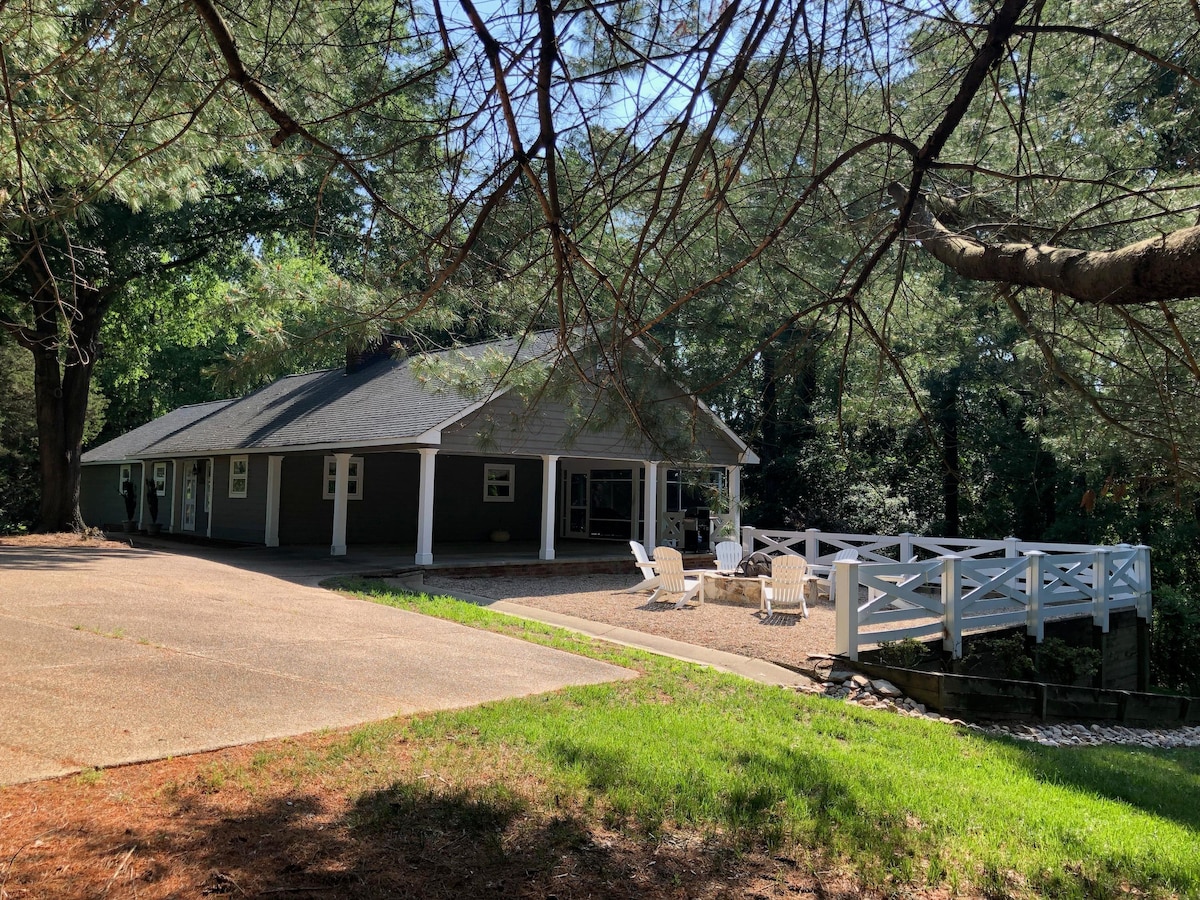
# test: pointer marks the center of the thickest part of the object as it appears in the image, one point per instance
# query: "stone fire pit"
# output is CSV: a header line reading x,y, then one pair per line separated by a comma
x,y
733,589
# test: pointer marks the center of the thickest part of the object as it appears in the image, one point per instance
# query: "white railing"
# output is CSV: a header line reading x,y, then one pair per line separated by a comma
x,y
911,586
819,547
670,528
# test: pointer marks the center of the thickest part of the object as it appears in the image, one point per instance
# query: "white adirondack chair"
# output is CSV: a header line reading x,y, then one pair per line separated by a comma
x,y
729,554
673,578
826,576
786,584
649,575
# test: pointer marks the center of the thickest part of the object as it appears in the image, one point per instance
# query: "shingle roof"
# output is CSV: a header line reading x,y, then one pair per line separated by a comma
x,y
132,444
384,401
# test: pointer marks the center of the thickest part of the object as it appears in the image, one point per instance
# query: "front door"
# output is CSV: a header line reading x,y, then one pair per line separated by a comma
x,y
189,499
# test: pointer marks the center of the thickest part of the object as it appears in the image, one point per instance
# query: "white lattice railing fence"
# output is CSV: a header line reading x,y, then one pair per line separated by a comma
x,y
910,586
670,528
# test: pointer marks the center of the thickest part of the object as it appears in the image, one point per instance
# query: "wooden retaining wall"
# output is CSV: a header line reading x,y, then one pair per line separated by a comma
x,y
998,698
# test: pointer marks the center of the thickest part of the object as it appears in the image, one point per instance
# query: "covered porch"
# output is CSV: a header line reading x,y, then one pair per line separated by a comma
x,y
473,506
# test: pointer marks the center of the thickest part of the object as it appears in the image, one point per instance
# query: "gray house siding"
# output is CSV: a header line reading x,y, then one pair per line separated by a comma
x,y
304,518
387,513
100,500
240,518
460,513
505,425
166,502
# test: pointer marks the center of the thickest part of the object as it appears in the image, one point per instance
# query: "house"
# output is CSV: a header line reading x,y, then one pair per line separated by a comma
x,y
381,453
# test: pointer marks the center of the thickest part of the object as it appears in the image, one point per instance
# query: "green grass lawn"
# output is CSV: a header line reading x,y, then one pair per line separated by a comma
x,y
903,801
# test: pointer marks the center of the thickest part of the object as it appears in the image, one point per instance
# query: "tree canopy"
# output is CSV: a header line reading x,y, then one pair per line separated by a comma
x,y
783,199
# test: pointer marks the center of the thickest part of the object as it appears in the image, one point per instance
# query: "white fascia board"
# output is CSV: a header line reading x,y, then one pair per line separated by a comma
x,y
474,407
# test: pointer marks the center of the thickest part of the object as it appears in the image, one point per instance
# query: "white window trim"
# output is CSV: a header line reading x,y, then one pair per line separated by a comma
x,y
354,483
124,474
509,479
233,461
159,468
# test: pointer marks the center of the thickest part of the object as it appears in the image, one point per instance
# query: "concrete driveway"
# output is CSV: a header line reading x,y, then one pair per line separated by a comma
x,y
112,655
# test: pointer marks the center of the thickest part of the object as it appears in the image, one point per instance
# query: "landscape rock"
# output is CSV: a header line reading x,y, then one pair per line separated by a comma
x,y
885,688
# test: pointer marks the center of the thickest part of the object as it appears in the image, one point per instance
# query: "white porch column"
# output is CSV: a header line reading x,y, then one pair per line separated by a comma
x,y
733,482
142,501
174,497
549,488
650,506
274,477
341,502
425,508
210,483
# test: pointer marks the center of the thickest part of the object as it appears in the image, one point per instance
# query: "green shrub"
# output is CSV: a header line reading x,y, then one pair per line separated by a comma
x,y
906,654
1061,663
1175,641
1005,656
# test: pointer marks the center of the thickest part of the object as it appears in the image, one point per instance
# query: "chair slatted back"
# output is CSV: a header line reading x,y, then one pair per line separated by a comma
x,y
787,578
670,569
729,554
642,559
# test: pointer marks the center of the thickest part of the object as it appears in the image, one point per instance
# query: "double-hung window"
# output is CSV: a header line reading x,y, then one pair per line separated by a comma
x,y
160,478
239,475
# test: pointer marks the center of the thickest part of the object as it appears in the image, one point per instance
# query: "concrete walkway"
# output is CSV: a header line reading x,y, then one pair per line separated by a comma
x,y
113,655
747,667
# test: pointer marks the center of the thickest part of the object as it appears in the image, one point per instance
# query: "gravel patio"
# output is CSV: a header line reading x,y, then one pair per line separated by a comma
x,y
784,637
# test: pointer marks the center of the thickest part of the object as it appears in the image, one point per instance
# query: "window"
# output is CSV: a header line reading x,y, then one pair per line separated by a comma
x,y
126,476
239,475
353,480
498,483
160,478
208,485
689,489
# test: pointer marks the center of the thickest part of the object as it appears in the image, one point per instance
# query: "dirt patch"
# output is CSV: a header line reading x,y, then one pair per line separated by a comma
x,y
62,540
784,637
251,821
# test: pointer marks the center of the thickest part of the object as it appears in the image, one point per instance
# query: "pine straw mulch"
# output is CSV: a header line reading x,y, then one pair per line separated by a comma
x,y
257,821
59,540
